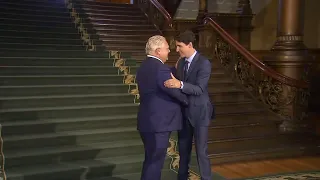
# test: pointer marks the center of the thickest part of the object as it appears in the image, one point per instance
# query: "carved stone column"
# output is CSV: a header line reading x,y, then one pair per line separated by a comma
x,y
244,7
290,57
203,10
206,40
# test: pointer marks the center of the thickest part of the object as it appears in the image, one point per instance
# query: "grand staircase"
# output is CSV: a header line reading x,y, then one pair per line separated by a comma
x,y
68,111
69,100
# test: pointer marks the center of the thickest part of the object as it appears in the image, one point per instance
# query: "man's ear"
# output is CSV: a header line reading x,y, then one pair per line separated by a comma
x,y
157,51
190,45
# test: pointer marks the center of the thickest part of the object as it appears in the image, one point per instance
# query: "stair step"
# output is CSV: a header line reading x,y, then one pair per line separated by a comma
x,y
37,40
34,2
39,11
125,47
63,61
124,36
43,53
114,31
66,138
41,34
284,151
259,142
120,166
117,23
165,175
61,79
23,30
242,130
109,11
57,6
59,70
122,27
61,171
98,17
244,118
237,107
67,112
226,95
39,17
65,100
123,40
256,142
77,152
126,44
36,22
43,46
103,5
220,80
67,124
212,87
67,89
104,168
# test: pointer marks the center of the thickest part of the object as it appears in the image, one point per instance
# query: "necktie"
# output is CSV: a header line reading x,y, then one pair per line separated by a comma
x,y
185,70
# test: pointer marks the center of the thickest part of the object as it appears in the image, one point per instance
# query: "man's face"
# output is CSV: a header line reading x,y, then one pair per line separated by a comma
x,y
164,52
183,49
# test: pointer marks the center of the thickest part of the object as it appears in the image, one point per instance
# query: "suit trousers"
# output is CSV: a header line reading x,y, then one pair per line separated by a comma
x,y
185,137
155,148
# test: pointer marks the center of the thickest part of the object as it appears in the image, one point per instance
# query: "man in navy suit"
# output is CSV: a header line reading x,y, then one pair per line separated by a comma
x,y
193,73
160,107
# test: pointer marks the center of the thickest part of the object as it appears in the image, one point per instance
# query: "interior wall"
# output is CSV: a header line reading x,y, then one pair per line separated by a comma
x,y
265,24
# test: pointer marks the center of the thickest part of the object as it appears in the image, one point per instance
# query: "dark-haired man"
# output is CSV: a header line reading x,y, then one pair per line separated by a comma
x,y
193,73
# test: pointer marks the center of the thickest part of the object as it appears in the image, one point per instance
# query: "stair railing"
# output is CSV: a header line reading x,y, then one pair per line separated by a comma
x,y
156,13
283,95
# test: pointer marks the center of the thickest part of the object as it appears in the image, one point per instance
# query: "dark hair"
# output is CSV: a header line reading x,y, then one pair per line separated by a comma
x,y
186,37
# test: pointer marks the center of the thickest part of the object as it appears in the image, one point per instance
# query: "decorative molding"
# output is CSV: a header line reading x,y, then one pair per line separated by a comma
x,y
85,36
290,38
128,79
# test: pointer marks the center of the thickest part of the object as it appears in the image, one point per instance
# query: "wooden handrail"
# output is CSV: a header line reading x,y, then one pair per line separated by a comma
x,y
163,11
252,59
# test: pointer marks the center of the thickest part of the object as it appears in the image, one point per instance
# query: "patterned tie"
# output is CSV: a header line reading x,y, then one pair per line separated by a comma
x,y
185,70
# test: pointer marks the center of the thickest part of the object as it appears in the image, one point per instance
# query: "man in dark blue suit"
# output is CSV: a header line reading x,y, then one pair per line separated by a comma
x,y
160,107
193,73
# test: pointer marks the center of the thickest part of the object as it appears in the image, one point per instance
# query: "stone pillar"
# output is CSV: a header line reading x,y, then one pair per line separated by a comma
x,y
203,10
289,55
244,7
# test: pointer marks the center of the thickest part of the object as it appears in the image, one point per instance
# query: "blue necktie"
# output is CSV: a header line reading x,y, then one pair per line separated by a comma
x,y
185,70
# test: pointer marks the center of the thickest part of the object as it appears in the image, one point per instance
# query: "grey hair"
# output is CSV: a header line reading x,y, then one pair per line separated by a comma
x,y
154,43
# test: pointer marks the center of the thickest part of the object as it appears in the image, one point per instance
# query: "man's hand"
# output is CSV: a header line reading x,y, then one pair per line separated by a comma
x,y
172,83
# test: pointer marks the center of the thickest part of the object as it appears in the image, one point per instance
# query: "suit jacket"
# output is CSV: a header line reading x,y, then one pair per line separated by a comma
x,y
160,107
200,110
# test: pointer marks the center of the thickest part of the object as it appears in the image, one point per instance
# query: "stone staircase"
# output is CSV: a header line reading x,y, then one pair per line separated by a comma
x,y
246,130
67,96
117,27
67,111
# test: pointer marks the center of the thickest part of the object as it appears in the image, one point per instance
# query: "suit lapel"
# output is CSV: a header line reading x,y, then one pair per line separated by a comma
x,y
192,65
180,69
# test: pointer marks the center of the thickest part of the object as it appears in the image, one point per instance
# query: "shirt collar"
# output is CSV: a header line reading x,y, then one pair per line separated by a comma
x,y
191,57
155,58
